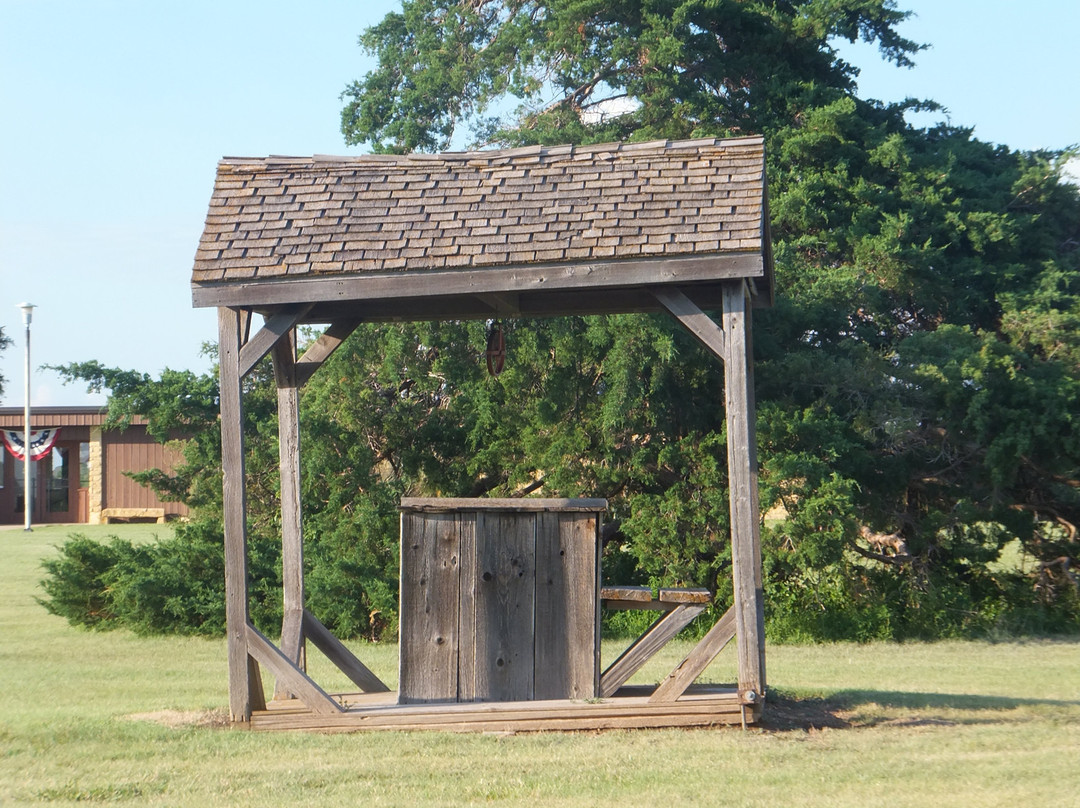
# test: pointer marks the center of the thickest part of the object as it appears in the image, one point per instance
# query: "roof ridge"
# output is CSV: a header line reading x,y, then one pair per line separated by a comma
x,y
490,156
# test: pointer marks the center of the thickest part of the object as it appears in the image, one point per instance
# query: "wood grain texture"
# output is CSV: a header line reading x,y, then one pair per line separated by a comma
x,y
428,618
631,593
566,620
276,327
685,595
701,706
323,348
505,595
516,505
242,684
520,280
292,538
749,601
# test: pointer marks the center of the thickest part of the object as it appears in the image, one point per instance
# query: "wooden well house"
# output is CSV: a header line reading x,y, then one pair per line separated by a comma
x,y
500,598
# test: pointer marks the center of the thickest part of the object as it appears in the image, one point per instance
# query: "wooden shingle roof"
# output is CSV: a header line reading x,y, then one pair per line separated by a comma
x,y
326,230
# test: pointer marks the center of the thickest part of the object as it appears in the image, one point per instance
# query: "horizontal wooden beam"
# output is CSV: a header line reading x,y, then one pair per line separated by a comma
x,y
503,304
634,593
447,504
685,595
424,284
259,345
702,706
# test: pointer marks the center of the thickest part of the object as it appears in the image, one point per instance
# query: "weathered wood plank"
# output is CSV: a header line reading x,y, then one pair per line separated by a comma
x,y
685,595
633,593
566,613
467,583
258,695
505,591
292,538
697,322
697,660
503,304
454,504
749,601
242,684
345,660
646,646
321,350
296,681
701,707
428,619
495,280
258,346
292,646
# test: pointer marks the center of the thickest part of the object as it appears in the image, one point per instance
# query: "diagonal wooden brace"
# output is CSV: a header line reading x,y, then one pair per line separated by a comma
x,y
646,646
262,342
296,681
341,656
697,660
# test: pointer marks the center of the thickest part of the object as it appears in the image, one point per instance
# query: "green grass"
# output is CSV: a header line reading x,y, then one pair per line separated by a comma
x,y
86,718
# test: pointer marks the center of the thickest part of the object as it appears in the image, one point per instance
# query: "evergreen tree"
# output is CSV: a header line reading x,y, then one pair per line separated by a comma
x,y
918,377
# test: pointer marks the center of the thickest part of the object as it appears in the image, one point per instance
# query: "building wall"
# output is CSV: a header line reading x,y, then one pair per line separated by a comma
x,y
134,450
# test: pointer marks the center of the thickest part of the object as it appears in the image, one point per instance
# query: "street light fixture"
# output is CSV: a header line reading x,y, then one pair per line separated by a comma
x,y
27,314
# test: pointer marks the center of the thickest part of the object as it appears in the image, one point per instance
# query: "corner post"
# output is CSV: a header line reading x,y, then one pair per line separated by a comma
x,y
243,675
292,542
743,485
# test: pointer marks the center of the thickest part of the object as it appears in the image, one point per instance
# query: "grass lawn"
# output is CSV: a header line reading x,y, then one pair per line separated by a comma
x,y
110,717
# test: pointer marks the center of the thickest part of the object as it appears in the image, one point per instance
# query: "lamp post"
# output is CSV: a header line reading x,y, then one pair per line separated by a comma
x,y
27,315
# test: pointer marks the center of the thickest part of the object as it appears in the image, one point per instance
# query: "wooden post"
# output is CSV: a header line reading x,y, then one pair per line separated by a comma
x,y
742,483
292,541
242,672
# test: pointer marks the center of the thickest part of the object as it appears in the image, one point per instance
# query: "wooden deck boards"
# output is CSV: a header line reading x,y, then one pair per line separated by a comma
x,y
629,708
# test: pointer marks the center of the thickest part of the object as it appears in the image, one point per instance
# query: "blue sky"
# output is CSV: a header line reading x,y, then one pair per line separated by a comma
x,y
115,113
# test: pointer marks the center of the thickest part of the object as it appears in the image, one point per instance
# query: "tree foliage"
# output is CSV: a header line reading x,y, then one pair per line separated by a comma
x,y
918,379
5,343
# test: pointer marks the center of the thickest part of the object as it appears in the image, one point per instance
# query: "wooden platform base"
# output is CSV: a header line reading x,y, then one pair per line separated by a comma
x,y
629,708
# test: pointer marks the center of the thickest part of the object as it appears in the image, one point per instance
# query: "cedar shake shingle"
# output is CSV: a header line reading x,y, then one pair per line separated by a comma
x,y
325,216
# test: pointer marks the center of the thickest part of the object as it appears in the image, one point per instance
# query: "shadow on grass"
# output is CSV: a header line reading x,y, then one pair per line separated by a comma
x,y
850,699
785,712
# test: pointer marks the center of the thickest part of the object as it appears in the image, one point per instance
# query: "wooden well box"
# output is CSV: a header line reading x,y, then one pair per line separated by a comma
x,y
499,599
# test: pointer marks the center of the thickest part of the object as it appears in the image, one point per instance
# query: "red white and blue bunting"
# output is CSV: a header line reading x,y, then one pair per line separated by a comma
x,y
41,442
